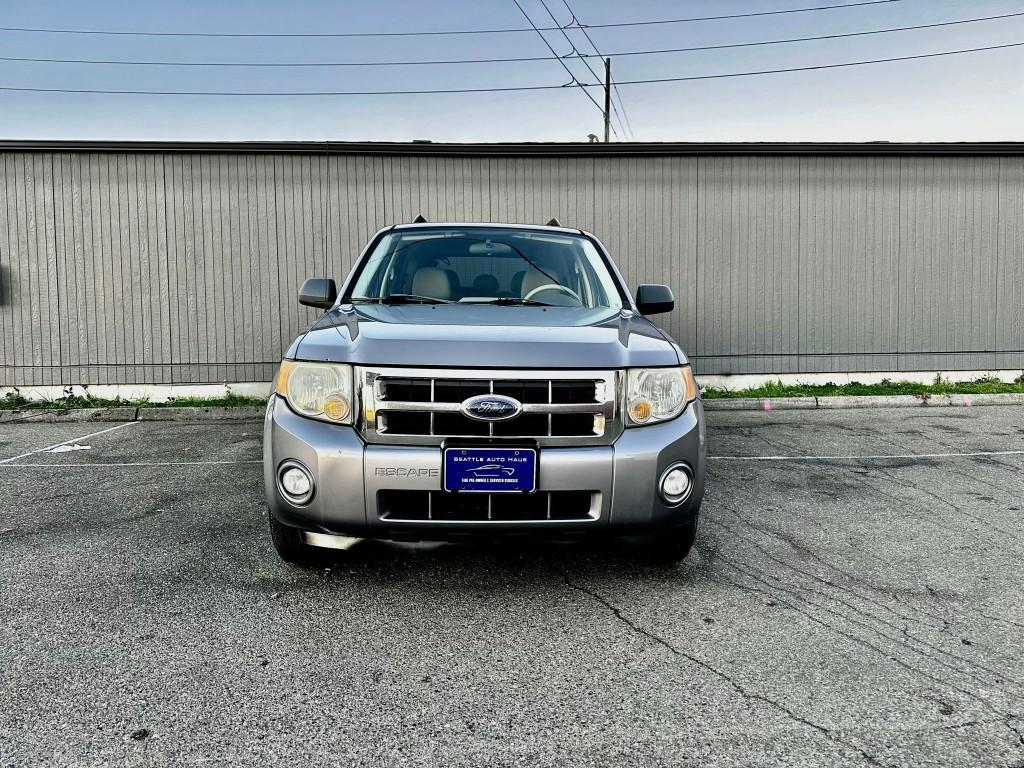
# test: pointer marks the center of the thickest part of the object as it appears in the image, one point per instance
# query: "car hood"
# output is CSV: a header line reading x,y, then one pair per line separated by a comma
x,y
464,336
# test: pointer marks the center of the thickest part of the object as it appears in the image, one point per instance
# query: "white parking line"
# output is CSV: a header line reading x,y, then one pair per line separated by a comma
x,y
86,465
869,457
68,441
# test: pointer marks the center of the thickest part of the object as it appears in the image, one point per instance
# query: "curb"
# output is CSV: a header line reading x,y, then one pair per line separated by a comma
x,y
58,415
854,401
131,413
200,413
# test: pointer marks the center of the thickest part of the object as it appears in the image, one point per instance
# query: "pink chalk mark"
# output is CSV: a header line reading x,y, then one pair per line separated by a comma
x,y
767,405
967,401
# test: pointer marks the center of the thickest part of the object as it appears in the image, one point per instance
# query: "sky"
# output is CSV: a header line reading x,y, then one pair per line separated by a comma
x,y
968,97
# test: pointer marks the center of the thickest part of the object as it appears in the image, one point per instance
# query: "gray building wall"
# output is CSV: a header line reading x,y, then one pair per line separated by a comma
x,y
176,266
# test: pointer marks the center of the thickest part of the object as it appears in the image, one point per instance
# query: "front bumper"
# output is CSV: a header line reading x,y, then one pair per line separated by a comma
x,y
349,474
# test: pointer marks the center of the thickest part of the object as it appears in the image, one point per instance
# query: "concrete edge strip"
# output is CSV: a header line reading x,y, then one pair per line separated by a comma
x,y
861,401
131,413
253,413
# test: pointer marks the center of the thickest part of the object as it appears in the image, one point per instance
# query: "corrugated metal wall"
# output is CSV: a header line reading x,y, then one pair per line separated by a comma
x,y
176,267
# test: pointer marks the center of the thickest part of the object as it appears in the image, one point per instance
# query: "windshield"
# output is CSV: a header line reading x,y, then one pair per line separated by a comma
x,y
486,266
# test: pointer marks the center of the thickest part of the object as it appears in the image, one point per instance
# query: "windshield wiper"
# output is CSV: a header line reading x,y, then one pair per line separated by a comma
x,y
514,301
399,298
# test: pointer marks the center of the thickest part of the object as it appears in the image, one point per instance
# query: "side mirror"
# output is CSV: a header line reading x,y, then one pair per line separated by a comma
x,y
653,299
318,292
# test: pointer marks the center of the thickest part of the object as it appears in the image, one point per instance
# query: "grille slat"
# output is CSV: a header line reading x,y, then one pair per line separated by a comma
x,y
550,422
432,399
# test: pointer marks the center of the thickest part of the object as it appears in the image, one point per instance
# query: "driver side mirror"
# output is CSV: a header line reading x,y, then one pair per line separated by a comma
x,y
318,292
653,299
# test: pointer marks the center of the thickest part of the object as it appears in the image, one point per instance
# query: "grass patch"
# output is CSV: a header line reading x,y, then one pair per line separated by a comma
x,y
776,389
17,402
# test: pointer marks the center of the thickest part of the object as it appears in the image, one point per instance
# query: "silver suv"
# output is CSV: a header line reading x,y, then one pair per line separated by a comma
x,y
483,379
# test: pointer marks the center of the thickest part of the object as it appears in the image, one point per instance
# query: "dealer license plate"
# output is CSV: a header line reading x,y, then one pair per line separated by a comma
x,y
490,470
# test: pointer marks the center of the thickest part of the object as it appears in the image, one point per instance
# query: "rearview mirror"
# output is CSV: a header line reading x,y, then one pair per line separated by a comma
x,y
318,292
653,299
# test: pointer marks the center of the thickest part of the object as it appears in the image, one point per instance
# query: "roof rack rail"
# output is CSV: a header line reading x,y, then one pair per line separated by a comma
x,y
553,223
419,219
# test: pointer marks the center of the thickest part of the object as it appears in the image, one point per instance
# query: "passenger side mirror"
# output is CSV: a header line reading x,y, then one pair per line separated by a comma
x,y
318,292
653,299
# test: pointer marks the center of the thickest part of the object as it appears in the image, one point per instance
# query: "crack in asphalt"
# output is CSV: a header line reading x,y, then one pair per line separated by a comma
x,y
1008,722
740,689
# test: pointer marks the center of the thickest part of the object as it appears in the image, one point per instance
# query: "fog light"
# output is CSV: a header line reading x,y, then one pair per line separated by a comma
x,y
295,482
676,484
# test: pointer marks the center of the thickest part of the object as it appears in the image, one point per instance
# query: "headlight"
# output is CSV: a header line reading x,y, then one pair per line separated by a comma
x,y
317,390
658,394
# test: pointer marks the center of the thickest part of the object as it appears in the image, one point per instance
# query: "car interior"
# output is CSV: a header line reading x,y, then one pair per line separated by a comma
x,y
449,269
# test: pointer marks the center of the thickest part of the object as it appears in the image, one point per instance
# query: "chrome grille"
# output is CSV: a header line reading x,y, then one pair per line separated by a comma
x,y
422,406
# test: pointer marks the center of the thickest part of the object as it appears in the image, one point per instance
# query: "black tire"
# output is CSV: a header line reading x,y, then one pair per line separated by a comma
x,y
670,546
288,542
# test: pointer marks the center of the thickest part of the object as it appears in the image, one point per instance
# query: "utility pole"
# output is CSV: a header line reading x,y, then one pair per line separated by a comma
x,y
607,98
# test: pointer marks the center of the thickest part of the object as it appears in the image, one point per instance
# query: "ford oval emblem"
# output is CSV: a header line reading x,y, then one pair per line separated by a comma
x,y
491,408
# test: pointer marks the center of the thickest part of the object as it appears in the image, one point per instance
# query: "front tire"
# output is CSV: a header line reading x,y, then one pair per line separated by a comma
x,y
288,541
670,546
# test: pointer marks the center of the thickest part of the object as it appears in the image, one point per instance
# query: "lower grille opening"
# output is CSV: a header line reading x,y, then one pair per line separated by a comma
x,y
438,506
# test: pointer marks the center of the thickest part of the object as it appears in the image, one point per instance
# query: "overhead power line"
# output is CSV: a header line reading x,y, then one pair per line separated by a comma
x,y
573,84
811,38
578,55
512,59
568,40
753,73
737,15
615,89
572,75
424,33
585,62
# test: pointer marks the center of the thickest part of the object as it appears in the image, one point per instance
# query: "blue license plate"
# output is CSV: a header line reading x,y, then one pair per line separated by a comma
x,y
490,470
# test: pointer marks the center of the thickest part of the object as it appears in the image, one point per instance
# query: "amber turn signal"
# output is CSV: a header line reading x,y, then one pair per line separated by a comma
x,y
640,411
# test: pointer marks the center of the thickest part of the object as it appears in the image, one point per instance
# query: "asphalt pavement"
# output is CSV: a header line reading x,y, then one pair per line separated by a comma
x,y
860,610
